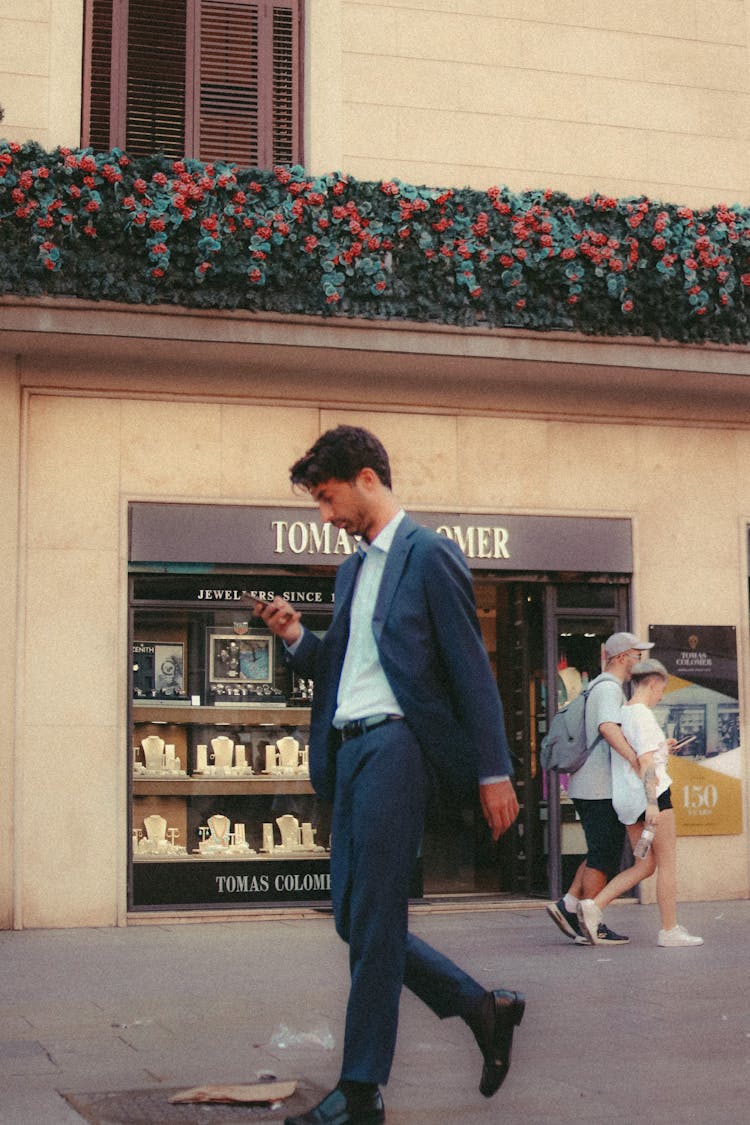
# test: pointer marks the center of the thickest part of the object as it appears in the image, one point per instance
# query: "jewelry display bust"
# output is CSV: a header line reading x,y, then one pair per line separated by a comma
x,y
155,842
223,749
294,838
216,838
229,759
285,759
160,759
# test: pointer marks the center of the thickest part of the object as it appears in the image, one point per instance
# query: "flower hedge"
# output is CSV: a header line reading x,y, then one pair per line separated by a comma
x,y
104,226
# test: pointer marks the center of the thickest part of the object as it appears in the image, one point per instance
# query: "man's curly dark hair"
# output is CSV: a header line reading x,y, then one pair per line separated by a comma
x,y
341,454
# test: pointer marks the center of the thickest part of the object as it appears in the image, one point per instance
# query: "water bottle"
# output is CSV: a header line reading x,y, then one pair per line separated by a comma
x,y
642,848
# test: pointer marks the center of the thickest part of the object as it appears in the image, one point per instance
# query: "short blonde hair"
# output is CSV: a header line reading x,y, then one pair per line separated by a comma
x,y
644,669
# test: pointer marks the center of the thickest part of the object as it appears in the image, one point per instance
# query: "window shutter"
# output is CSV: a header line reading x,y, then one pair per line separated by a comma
x,y
248,60
98,75
228,86
155,90
285,84
215,79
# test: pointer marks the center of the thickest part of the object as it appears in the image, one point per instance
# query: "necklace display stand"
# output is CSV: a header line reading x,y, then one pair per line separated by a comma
x,y
155,842
160,759
216,839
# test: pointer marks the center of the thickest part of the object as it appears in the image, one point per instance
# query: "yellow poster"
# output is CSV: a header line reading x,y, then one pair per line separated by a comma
x,y
707,801
700,710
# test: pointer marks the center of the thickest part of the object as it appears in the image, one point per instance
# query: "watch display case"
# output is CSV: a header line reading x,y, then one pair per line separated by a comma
x,y
222,810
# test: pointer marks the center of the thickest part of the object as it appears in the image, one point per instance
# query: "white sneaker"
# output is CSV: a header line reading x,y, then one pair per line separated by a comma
x,y
589,917
678,936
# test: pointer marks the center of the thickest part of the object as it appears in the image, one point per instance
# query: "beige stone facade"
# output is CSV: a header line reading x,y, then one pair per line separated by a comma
x,y
528,425
574,95
102,406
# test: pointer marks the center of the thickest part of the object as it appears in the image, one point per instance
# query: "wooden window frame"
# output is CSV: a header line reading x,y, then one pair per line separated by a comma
x,y
112,20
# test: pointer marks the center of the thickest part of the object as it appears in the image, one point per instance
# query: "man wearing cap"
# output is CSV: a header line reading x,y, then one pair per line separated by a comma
x,y
591,787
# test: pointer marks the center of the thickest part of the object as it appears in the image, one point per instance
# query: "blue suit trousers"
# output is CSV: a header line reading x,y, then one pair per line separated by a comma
x,y
378,823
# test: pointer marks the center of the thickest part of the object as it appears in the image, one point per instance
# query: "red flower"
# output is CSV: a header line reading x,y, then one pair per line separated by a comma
x,y
481,226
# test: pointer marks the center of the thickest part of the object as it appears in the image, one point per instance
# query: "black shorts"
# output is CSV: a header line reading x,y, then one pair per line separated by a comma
x,y
664,801
604,832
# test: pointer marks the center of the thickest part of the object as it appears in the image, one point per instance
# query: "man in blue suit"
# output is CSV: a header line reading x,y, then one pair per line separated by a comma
x,y
404,699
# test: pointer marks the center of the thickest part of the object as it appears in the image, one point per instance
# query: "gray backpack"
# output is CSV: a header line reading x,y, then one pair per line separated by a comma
x,y
564,746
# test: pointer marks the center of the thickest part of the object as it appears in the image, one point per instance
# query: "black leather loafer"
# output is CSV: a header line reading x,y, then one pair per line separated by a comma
x,y
336,1110
498,1017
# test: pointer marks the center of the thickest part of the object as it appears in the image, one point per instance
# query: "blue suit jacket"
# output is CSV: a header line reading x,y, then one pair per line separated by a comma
x,y
431,650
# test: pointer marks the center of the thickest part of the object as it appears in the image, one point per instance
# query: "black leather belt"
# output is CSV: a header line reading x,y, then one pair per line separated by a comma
x,y
357,727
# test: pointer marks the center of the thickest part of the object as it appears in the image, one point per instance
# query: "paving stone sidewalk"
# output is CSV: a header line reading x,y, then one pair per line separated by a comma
x,y
118,1019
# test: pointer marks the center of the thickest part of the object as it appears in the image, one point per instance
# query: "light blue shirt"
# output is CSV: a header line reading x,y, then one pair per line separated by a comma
x,y
363,687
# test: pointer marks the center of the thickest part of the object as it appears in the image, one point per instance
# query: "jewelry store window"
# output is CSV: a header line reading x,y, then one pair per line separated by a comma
x,y
223,814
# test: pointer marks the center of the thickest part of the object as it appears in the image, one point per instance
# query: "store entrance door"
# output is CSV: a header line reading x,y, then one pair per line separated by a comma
x,y
536,632
459,856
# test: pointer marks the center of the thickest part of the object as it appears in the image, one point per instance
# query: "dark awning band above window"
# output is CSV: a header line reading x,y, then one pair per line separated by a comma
x,y
243,534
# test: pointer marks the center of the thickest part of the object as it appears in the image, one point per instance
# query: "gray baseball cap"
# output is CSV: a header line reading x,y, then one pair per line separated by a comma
x,y
621,642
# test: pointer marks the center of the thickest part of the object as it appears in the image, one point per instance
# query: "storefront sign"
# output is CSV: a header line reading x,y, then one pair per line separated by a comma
x,y
231,535
224,883
231,591
231,884
701,707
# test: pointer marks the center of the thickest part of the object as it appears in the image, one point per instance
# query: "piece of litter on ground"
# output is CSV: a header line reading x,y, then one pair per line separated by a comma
x,y
257,1092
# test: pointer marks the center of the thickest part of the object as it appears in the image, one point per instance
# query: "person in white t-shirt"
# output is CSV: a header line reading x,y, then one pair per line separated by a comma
x,y
590,787
641,800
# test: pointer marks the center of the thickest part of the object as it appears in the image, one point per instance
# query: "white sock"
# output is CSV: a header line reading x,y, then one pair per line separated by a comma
x,y
571,902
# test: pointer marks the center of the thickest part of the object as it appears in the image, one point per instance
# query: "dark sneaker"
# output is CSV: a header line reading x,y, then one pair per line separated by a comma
x,y
565,920
605,936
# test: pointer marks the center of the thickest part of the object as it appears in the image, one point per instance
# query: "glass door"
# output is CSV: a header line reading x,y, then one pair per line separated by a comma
x,y
580,618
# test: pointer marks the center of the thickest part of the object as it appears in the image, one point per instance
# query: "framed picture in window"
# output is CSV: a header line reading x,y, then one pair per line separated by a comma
x,y
242,659
158,670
